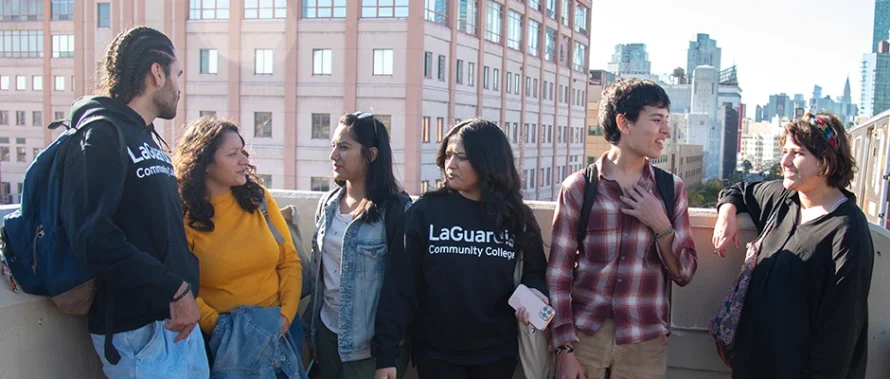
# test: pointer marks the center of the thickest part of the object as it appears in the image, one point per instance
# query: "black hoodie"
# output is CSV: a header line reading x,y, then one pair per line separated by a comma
x,y
123,217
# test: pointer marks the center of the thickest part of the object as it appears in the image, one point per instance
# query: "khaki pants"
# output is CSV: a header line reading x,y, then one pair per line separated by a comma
x,y
599,353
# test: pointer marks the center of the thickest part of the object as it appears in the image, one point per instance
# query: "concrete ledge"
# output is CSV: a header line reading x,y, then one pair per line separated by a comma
x,y
36,341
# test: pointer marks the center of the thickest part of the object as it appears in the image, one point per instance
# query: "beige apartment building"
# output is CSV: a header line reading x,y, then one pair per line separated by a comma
x,y
286,70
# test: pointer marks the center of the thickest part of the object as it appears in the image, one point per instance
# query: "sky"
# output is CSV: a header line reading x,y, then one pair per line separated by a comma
x,y
777,45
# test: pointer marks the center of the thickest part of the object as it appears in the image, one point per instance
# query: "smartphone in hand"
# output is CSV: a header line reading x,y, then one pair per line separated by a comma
x,y
540,313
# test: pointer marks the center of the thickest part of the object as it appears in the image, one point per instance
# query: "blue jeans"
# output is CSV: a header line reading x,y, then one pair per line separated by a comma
x,y
149,352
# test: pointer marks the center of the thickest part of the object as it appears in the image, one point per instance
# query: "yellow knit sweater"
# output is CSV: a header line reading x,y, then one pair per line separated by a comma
x,y
242,264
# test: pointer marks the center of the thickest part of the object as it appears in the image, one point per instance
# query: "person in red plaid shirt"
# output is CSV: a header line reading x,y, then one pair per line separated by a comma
x,y
611,301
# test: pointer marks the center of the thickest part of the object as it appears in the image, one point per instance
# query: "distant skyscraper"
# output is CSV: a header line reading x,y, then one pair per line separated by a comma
x,y
847,99
758,113
630,59
882,23
704,101
875,84
703,52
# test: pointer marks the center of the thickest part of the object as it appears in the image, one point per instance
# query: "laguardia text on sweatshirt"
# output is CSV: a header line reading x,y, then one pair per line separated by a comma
x,y
451,283
123,215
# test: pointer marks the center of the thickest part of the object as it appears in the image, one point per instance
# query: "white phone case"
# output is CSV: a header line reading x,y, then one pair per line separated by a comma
x,y
540,313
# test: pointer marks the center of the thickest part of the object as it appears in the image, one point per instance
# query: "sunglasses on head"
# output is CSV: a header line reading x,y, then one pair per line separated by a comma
x,y
362,115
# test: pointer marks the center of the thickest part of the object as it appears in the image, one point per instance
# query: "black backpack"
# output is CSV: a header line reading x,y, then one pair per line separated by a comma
x,y
663,180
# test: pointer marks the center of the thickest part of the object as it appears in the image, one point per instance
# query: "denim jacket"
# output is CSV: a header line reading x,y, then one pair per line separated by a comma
x,y
363,264
245,344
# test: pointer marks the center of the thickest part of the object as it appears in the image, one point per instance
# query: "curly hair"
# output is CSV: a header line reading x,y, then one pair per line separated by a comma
x,y
194,152
836,163
628,97
129,57
491,156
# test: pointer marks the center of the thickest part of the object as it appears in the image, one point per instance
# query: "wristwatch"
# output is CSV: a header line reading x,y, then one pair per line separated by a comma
x,y
564,349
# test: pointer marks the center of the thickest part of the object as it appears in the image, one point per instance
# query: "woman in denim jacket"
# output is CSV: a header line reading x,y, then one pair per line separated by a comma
x,y
249,268
351,246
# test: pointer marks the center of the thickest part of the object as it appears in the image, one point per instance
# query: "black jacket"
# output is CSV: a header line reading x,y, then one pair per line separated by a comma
x,y
123,216
806,311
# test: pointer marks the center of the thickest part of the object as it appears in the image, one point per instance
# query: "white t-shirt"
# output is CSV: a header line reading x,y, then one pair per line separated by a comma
x,y
330,266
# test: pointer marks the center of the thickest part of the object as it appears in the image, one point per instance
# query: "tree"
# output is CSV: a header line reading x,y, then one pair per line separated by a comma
x,y
775,172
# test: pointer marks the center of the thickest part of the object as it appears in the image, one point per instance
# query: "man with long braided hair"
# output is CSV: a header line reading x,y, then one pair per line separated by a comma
x,y
123,215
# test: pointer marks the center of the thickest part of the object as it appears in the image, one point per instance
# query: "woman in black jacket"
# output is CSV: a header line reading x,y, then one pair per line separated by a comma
x,y
804,313
452,282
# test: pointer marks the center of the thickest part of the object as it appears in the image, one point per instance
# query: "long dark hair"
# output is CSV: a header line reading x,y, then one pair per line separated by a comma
x,y
194,153
491,156
129,57
380,181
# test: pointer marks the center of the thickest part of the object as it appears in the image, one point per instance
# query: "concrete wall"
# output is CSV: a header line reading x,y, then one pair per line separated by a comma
x,y
36,341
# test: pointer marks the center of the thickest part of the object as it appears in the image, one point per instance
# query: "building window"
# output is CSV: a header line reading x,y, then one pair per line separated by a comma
x,y
580,57
21,83
321,62
466,20
324,9
425,131
528,86
509,82
485,77
514,30
424,186
320,184
385,8
265,9
386,120
428,65
4,83
20,155
21,43
103,15
37,118
58,115
496,82
265,180
581,19
534,28
516,84
4,118
63,46
4,154
441,67
551,9
209,61
383,62
459,72
36,152
59,83
207,113
262,124
471,74
493,20
209,9
63,9
565,12
321,126
264,62
437,11
20,118
515,132
550,45
535,89
440,129
21,10
37,83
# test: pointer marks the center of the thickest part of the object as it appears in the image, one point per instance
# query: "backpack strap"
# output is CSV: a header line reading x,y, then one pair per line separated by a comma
x,y
278,237
665,183
591,181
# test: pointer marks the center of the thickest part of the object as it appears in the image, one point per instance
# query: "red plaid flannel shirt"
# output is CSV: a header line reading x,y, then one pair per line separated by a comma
x,y
621,274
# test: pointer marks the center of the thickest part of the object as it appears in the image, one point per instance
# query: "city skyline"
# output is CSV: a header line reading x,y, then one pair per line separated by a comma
x,y
761,54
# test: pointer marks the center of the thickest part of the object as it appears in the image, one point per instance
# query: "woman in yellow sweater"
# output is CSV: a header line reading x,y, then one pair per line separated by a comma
x,y
241,262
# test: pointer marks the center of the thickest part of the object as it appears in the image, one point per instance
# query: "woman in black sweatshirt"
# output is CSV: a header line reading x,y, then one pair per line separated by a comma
x,y
804,312
451,283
